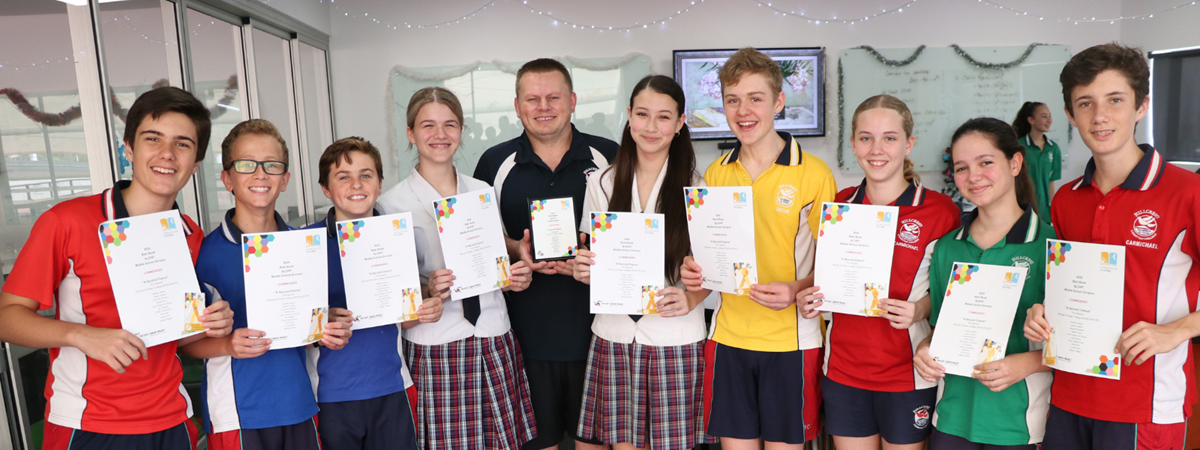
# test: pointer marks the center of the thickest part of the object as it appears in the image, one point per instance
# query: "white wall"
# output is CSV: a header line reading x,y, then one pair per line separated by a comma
x,y
363,53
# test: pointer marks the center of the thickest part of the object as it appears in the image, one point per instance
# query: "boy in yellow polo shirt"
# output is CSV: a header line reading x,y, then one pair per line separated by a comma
x,y
763,360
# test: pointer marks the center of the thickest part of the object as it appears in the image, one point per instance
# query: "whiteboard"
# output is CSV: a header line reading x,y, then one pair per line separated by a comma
x,y
943,90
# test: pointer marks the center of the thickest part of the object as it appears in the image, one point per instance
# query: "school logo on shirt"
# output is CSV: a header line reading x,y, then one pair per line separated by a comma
x,y
1022,261
921,417
785,197
909,231
1145,224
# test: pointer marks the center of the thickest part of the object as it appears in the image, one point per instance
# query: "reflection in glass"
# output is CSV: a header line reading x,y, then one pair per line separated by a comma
x,y
272,63
314,84
215,50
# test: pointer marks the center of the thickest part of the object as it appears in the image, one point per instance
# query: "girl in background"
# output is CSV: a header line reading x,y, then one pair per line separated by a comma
x,y
1043,157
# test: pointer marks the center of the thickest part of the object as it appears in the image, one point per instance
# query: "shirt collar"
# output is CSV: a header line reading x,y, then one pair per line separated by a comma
x,y
331,221
914,195
1144,176
579,149
789,155
1023,232
114,205
234,234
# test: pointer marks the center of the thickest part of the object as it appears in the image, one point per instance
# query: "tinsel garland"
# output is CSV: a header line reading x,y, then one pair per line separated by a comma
x,y
70,114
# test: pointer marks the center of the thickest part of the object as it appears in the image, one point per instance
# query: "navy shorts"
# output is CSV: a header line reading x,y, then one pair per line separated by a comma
x,y
775,396
179,437
556,392
943,441
898,417
374,424
1066,430
301,436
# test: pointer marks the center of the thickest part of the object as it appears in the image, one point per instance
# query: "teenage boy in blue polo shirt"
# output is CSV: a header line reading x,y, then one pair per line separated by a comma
x,y
255,398
361,389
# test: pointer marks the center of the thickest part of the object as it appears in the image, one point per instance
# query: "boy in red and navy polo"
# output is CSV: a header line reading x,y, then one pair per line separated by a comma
x,y
1128,196
106,389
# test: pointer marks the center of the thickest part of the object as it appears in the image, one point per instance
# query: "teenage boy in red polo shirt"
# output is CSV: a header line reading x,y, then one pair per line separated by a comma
x,y
1128,196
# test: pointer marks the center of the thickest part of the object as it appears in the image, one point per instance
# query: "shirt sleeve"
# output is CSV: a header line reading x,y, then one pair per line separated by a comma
x,y
1055,164
938,274
826,192
483,170
44,260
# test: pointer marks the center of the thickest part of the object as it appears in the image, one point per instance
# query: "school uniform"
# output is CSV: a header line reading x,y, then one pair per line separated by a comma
x,y
467,367
1045,167
870,384
89,405
644,380
1154,215
762,367
966,408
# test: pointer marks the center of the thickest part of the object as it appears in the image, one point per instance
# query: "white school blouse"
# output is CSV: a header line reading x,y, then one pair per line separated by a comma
x,y
650,329
416,195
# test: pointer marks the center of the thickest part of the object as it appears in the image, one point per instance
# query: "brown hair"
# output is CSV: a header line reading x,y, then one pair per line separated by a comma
x,y
545,65
1003,138
1082,69
681,166
157,102
747,61
252,126
1021,124
340,151
906,121
433,94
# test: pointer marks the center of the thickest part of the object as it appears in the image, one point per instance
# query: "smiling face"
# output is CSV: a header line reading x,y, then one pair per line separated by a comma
x,y
1041,120
1105,113
750,108
981,171
880,144
544,104
163,154
353,186
256,190
653,121
436,132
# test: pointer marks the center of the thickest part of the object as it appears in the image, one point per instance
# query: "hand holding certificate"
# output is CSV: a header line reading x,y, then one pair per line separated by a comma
x,y
473,242
287,285
1085,298
552,227
152,276
976,316
628,274
721,230
379,261
854,256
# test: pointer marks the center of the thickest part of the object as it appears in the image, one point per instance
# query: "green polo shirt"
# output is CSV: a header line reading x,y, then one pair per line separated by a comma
x,y
1045,166
965,407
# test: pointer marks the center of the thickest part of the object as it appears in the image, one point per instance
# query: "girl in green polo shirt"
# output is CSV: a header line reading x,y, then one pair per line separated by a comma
x,y
1004,406
1043,157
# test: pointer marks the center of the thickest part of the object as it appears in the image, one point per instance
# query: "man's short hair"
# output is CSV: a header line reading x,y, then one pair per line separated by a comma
x,y
1083,68
544,65
747,61
340,151
252,126
157,102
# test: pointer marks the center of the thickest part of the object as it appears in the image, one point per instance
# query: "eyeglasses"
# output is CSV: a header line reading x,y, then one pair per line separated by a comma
x,y
249,166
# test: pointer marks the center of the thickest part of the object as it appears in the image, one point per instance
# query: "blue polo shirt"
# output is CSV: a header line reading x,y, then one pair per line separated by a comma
x,y
370,365
551,319
271,390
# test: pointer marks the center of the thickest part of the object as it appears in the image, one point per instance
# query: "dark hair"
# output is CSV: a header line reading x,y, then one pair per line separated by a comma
x,y
1003,138
681,167
1083,67
252,126
544,65
1021,124
156,102
340,150
906,122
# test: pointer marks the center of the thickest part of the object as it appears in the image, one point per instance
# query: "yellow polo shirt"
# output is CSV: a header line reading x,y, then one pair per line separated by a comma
x,y
787,210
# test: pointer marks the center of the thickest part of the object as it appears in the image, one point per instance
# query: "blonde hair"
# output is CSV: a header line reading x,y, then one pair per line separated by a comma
x,y
747,61
252,126
906,122
433,94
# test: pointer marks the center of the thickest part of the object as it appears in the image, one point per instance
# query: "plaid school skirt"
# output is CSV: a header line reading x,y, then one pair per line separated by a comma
x,y
471,393
642,394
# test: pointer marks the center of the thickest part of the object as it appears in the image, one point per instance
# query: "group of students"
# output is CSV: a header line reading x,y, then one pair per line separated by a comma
x,y
518,369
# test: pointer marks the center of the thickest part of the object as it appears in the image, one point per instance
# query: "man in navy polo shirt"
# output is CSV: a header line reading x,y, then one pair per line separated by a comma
x,y
551,319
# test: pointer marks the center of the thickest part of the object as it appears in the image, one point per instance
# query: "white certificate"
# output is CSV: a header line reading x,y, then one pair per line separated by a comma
x,y
854,256
976,316
153,279
473,242
1085,307
629,265
552,229
379,268
287,285
721,230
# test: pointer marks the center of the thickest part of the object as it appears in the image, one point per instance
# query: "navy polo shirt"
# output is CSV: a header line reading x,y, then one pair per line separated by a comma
x,y
551,318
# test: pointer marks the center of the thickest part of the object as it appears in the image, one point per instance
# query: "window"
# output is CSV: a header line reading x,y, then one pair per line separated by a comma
x,y
1175,105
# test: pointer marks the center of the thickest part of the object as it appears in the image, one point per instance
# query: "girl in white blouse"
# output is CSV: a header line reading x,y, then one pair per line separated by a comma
x,y
467,367
645,373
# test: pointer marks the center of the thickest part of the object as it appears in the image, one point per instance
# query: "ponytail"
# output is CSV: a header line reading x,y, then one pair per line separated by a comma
x,y
1021,124
910,172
